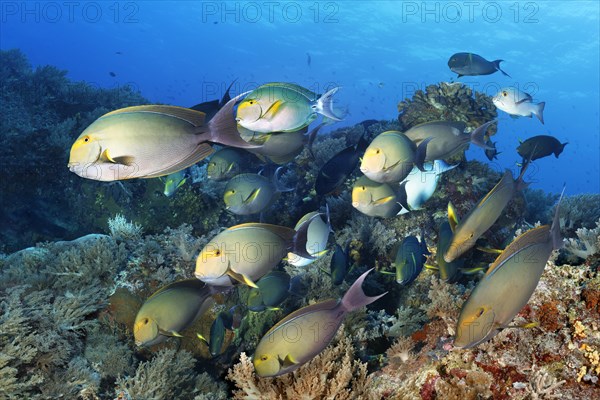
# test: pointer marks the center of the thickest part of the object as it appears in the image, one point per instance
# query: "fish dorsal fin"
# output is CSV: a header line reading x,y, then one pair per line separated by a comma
x,y
507,176
453,218
196,118
282,231
288,361
531,237
193,283
272,110
242,278
252,196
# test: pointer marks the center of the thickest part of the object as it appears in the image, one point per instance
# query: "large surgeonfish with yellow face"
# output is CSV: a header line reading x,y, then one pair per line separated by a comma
x,y
170,310
483,215
508,284
447,138
283,107
245,253
375,199
224,164
278,353
391,156
247,194
150,141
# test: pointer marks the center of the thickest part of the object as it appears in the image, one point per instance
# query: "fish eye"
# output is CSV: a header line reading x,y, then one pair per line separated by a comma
x,y
146,320
251,102
504,94
363,188
264,357
217,252
480,312
377,151
86,139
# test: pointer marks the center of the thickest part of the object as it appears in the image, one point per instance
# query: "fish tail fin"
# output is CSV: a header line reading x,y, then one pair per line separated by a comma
x,y
421,154
560,150
521,184
478,136
355,297
402,197
324,105
227,96
538,111
222,128
311,139
441,166
277,181
497,65
557,240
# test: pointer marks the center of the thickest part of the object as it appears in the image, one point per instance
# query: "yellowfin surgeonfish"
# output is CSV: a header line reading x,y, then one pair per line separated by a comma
x,y
303,334
247,194
391,156
508,284
283,107
482,216
375,199
246,252
224,164
173,182
150,141
316,238
170,310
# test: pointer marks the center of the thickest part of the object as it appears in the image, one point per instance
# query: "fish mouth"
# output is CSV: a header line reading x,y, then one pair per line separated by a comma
x,y
355,204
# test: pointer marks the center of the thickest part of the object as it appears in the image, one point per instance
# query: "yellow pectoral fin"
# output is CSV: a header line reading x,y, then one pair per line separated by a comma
x,y
452,216
181,183
170,333
106,156
489,250
383,200
202,338
288,361
252,196
272,110
432,267
241,278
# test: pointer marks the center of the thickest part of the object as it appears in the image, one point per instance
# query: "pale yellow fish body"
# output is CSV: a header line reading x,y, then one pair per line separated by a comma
x,y
243,253
389,158
374,199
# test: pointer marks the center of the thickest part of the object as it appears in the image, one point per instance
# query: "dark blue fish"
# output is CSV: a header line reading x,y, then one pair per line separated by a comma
x,y
335,171
469,64
308,59
491,153
540,146
272,289
409,259
226,320
340,264
210,108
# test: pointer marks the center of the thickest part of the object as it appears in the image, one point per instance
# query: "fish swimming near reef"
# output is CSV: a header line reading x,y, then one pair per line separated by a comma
x,y
447,138
283,107
281,147
210,108
540,146
491,153
485,213
469,64
391,156
317,235
225,320
272,289
508,284
173,182
245,253
150,141
375,199
449,271
419,186
170,310
518,103
339,266
247,194
337,169
316,325
224,164
409,259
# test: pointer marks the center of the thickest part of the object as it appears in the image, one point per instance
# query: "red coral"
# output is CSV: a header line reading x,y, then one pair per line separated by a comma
x,y
549,316
427,391
591,297
503,379
421,336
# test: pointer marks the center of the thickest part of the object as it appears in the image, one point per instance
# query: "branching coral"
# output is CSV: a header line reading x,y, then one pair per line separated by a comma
x,y
333,374
587,244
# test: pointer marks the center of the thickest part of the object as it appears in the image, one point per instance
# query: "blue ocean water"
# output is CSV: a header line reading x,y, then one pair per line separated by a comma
x,y
378,52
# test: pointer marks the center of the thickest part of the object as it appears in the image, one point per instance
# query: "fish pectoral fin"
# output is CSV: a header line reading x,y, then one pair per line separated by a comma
x,y
272,110
387,272
202,338
252,196
242,278
431,267
288,361
452,216
273,308
105,156
383,200
527,325
170,333
489,250
320,253
471,271
124,160
230,167
181,183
